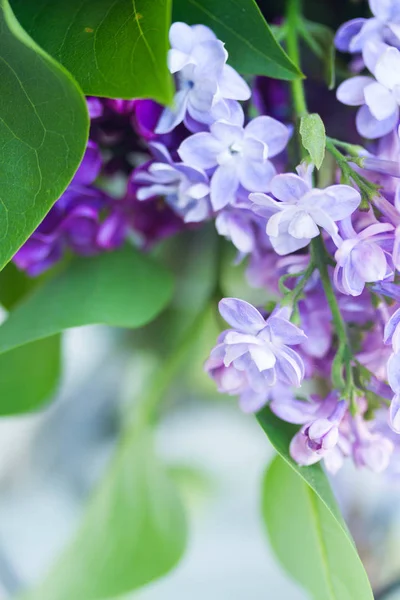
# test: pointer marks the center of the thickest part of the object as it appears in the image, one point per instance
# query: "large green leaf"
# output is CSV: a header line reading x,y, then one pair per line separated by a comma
x,y
280,434
133,531
308,540
40,361
43,133
116,49
239,23
124,289
29,375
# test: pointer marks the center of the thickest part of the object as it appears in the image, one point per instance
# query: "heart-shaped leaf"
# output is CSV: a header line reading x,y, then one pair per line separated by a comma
x,y
308,540
113,49
43,133
123,289
312,481
239,23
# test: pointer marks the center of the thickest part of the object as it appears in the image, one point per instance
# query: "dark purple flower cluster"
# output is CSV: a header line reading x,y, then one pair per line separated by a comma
x,y
327,257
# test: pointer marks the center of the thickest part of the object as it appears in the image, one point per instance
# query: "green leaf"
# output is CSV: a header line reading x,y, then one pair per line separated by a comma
x,y
133,531
14,285
308,540
29,375
116,49
313,137
280,434
239,23
123,289
43,133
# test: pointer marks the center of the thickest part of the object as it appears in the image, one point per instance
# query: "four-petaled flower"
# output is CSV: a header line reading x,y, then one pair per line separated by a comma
x,y
238,155
295,217
260,347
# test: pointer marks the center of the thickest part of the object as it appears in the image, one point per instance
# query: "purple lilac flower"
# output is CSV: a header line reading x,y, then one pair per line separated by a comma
x,y
319,436
370,449
206,84
240,225
378,97
384,26
74,222
238,156
295,217
185,188
260,347
362,257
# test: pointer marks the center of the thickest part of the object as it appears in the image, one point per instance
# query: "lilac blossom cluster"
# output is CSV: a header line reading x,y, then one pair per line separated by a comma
x,y
326,257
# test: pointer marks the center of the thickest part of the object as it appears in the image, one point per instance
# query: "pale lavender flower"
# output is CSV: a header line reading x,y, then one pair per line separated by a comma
x,y
319,436
294,219
185,188
240,156
378,97
233,382
370,449
260,347
207,86
384,26
363,257
241,226
392,336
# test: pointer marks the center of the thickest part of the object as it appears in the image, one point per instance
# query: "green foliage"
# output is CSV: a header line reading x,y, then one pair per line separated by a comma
x,y
43,133
29,375
307,538
123,289
326,521
133,531
313,137
113,49
239,23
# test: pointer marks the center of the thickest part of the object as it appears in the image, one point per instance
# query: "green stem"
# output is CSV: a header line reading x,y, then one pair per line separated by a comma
x,y
368,190
344,356
292,39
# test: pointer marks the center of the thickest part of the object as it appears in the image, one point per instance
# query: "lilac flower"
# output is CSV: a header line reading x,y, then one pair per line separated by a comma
x,y
362,257
74,222
384,26
240,156
240,225
379,98
392,336
293,219
260,348
370,449
185,188
206,84
319,436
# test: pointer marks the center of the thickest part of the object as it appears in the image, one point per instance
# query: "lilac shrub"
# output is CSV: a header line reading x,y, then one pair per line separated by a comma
x,y
329,254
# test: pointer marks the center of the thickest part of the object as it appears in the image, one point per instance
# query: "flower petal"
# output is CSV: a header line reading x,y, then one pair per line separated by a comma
x,y
255,176
288,187
200,150
351,91
241,315
270,131
380,101
370,127
224,185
